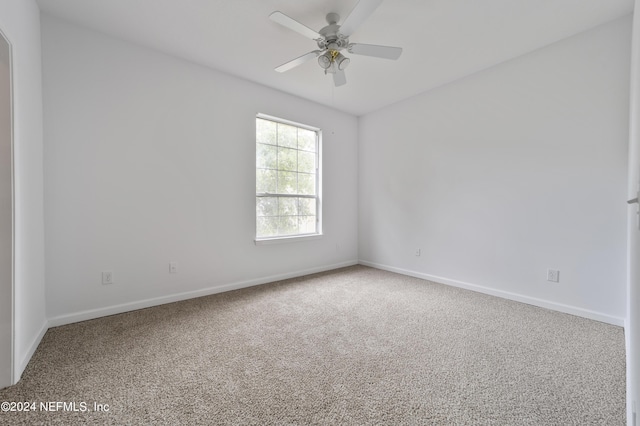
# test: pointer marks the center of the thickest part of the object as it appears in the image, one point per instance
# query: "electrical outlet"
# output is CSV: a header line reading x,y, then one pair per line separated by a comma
x,y
107,277
553,275
173,268
417,252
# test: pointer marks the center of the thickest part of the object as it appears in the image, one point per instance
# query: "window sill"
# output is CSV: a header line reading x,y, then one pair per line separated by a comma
x,y
281,240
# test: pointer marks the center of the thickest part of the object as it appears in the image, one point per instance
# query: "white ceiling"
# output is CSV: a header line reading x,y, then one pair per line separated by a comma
x,y
443,40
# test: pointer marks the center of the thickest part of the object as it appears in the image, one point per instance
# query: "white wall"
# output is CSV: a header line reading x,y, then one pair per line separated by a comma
x,y
506,173
150,159
20,22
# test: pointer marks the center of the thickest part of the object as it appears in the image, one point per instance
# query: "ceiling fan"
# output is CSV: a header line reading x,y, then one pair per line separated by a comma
x,y
334,38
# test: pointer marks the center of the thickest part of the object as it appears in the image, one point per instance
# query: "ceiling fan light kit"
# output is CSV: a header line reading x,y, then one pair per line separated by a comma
x,y
333,39
325,60
341,61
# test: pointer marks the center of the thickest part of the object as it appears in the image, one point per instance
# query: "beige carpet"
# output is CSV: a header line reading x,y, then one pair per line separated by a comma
x,y
353,346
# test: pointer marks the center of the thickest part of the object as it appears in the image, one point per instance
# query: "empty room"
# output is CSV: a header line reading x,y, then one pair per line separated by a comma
x,y
323,212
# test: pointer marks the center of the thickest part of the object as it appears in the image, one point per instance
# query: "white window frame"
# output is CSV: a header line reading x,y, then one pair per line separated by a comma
x,y
317,197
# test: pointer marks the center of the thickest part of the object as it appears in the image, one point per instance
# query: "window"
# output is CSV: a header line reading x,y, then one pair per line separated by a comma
x,y
287,179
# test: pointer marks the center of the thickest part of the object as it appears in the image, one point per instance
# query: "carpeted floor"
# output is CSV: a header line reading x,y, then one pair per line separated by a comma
x,y
353,346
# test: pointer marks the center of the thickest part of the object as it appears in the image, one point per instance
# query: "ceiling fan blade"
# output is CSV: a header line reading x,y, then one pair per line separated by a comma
x,y
358,15
294,25
385,52
339,78
298,61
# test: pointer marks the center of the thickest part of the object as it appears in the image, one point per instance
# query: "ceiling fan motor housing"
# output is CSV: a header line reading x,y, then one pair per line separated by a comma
x,y
332,40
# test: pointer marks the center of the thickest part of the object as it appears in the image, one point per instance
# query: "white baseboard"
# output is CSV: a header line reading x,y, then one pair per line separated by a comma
x,y
20,366
567,309
147,303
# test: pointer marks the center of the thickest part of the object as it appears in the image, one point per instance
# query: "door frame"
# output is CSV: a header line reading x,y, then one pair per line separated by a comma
x,y
632,323
11,337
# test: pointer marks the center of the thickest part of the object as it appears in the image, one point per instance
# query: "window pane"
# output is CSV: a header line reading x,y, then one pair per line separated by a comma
x,y
266,206
287,159
306,184
307,140
267,226
288,225
265,131
286,164
266,181
288,206
287,183
266,156
307,224
307,207
287,136
306,162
